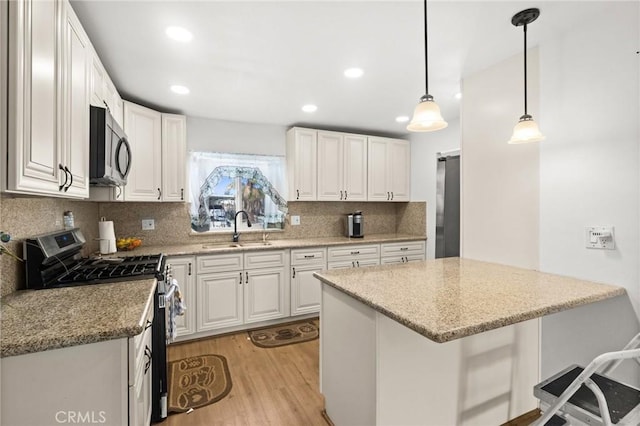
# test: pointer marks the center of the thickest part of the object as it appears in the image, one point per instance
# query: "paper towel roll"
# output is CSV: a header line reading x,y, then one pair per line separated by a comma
x,y
107,237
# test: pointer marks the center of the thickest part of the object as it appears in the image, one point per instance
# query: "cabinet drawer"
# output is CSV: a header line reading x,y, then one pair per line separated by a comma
x,y
388,260
219,263
264,259
403,249
316,255
353,252
359,263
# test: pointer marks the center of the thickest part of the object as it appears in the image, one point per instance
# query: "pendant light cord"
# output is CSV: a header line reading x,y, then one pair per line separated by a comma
x,y
525,69
426,49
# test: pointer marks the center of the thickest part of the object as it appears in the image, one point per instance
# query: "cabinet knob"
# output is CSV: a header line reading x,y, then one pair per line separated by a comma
x,y
340,195
181,194
246,281
240,278
345,195
388,196
159,193
189,268
297,194
294,272
391,195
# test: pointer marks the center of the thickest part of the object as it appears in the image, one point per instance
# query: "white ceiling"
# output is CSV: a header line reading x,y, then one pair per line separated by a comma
x,y
259,62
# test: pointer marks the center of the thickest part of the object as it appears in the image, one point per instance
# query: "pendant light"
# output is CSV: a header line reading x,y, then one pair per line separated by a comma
x,y
426,116
527,129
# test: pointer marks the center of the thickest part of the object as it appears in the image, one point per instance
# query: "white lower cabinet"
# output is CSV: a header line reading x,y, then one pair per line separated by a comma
x,y
241,288
219,300
183,270
305,288
355,256
140,379
404,252
107,382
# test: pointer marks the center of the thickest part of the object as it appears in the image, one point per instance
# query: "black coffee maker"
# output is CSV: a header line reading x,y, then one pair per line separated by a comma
x,y
355,225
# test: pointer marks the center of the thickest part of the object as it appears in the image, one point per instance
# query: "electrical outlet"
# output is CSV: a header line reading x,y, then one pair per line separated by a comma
x,y
148,224
295,220
600,237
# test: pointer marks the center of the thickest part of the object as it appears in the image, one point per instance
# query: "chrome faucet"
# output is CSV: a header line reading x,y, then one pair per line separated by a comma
x,y
236,236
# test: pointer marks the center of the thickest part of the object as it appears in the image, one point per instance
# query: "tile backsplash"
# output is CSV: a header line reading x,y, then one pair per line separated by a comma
x,y
24,217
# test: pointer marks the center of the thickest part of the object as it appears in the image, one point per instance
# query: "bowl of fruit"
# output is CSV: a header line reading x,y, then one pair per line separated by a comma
x,y
129,243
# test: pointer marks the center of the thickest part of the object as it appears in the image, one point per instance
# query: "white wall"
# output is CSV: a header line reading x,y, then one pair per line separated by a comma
x,y
499,201
589,176
500,187
212,135
424,150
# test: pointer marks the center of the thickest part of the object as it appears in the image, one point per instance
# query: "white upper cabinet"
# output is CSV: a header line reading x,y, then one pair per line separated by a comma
x,y
174,149
103,92
47,149
389,168
143,127
342,167
301,164
75,104
158,150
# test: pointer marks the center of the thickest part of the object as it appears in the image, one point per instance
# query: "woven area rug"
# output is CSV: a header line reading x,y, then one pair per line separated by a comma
x,y
284,334
197,381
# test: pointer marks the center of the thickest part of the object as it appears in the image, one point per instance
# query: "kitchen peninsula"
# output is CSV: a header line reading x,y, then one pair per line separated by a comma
x,y
439,342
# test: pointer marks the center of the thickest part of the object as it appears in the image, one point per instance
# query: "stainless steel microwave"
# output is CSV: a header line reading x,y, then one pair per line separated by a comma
x,y
109,152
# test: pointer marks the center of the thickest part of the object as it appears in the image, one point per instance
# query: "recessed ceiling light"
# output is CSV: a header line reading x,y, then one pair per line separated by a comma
x,y
353,73
179,34
402,119
458,95
309,108
180,90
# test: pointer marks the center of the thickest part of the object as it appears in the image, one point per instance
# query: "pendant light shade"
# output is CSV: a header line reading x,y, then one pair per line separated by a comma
x,y
426,116
527,129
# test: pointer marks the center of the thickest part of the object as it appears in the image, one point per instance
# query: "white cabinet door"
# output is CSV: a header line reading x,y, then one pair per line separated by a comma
x,y
219,300
302,164
266,294
143,128
389,169
378,153
75,90
174,148
400,170
97,80
183,270
355,167
330,166
305,289
34,154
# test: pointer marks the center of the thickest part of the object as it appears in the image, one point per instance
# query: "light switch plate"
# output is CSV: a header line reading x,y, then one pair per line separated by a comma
x,y
600,237
148,225
295,220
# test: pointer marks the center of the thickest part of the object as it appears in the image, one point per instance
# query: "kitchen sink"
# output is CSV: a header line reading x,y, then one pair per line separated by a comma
x,y
236,245
254,244
219,245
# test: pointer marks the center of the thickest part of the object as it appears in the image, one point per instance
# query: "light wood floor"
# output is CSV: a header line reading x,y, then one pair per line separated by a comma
x,y
276,386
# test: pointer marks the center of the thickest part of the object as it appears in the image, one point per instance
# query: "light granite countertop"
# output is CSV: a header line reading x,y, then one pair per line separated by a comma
x,y
446,299
205,247
39,320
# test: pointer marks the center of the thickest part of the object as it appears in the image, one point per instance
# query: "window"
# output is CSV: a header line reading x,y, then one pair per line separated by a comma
x,y
223,184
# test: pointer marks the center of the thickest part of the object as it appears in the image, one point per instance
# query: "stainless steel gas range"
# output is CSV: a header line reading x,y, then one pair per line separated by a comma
x,y
53,260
